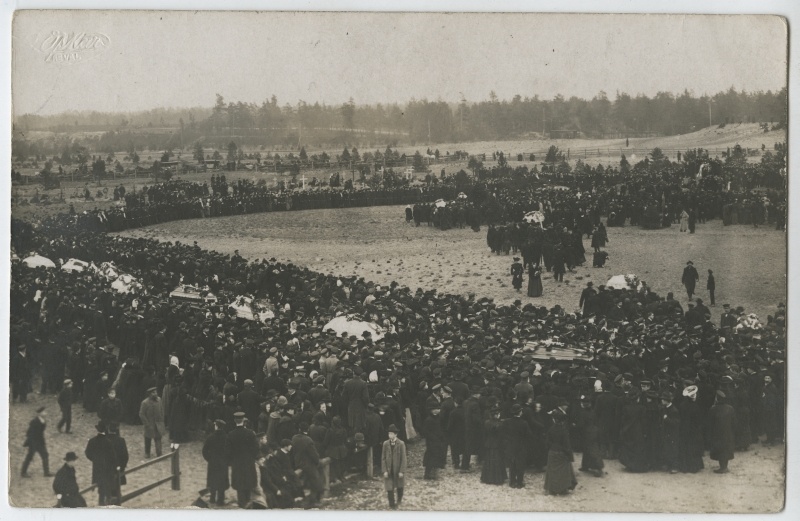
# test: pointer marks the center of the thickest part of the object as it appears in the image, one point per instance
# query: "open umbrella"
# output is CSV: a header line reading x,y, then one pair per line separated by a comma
x,y
37,261
344,324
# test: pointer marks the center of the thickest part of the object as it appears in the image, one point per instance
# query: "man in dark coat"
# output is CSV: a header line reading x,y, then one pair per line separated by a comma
x,y
690,278
356,396
65,404
34,441
670,429
306,458
65,484
517,436
473,426
586,302
586,422
244,452
250,402
216,452
723,438
110,410
100,452
435,443
120,447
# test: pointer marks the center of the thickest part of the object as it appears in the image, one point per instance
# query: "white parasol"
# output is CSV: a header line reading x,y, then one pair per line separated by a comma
x,y
440,203
37,261
343,324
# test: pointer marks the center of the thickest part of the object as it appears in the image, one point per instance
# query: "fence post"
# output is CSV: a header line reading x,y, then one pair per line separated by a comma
x,y
176,468
370,463
326,476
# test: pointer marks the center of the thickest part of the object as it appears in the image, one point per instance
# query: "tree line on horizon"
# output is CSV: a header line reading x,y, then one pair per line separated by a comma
x,y
421,121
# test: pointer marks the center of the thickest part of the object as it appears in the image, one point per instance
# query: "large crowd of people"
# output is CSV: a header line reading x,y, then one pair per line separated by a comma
x,y
648,383
654,386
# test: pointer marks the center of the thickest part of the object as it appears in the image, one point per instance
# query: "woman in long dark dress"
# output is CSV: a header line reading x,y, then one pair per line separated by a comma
x,y
691,432
494,467
535,281
560,476
633,448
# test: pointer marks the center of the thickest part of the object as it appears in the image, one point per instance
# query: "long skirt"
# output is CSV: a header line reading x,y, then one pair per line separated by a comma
x,y
535,286
493,471
560,476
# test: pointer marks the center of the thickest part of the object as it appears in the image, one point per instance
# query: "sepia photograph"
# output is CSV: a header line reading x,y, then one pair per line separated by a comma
x,y
415,261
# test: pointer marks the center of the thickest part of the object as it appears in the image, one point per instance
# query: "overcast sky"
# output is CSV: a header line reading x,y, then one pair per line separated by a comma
x,y
151,59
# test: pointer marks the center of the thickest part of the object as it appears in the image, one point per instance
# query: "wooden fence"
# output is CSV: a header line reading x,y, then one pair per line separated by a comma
x,y
174,477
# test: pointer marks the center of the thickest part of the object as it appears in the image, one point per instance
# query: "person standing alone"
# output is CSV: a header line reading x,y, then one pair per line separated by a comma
x,y
690,278
393,466
152,415
34,441
711,285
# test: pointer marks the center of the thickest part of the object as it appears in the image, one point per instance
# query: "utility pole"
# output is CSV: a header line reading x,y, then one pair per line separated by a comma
x,y
709,112
429,131
543,131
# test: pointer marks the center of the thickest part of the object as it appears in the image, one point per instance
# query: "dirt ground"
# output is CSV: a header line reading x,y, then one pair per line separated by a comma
x,y
754,485
377,244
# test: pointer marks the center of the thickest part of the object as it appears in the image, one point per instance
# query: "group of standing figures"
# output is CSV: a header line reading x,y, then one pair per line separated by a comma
x,y
564,254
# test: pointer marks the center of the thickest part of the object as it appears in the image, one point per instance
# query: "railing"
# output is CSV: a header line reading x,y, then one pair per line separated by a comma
x,y
174,477
325,466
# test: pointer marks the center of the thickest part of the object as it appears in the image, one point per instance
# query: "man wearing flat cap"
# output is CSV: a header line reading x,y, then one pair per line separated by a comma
x,y
65,484
151,413
216,451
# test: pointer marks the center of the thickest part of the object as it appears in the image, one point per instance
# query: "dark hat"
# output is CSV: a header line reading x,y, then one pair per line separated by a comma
x,y
101,426
666,395
71,456
40,409
393,428
285,442
516,409
690,262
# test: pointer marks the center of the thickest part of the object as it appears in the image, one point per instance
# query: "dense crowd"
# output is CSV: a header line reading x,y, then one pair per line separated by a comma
x,y
653,386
